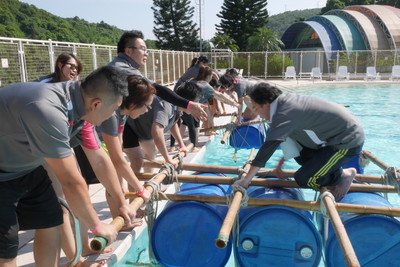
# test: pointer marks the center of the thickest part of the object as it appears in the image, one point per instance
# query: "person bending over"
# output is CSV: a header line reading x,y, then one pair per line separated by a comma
x,y
320,135
38,121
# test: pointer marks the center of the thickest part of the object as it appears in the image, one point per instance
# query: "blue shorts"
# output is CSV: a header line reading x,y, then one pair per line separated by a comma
x,y
28,202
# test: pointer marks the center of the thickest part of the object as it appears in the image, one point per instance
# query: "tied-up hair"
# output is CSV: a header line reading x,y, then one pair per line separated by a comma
x,y
204,72
189,90
140,90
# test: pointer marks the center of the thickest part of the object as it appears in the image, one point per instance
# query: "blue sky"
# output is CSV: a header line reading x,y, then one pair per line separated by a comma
x,y
137,14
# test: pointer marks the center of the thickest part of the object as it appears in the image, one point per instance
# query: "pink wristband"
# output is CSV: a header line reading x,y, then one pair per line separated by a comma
x,y
95,230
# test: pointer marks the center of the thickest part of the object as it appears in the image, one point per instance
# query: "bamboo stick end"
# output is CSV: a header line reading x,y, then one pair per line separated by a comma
x,y
221,241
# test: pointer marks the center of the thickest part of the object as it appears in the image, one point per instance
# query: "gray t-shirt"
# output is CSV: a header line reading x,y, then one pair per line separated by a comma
x,y
308,119
311,122
190,73
243,87
161,112
37,121
207,91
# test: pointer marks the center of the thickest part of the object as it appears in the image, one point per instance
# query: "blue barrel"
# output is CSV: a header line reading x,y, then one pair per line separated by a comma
x,y
354,162
248,136
184,233
277,235
375,238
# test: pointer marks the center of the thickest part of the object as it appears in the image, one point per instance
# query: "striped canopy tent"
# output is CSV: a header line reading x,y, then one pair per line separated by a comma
x,y
311,34
359,27
387,18
345,31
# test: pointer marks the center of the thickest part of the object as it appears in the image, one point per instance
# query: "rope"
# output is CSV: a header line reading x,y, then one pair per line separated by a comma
x,y
245,198
391,177
321,203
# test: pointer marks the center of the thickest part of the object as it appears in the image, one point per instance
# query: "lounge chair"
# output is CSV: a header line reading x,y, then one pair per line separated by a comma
x,y
316,73
290,72
371,74
395,73
342,73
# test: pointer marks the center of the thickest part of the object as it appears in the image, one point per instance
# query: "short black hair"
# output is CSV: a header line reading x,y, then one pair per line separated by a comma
x,y
203,59
127,39
233,72
189,90
264,93
226,80
108,83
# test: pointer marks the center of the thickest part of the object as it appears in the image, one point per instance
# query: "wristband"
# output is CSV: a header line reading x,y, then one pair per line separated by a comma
x,y
95,230
140,193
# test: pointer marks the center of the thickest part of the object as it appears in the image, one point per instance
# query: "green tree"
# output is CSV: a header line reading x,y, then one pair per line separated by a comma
x,y
264,40
174,28
224,41
241,18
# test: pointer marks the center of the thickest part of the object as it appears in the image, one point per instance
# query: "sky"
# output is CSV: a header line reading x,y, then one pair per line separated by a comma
x,y
137,14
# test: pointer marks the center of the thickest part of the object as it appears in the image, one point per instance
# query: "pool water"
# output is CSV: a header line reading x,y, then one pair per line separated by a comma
x,y
375,106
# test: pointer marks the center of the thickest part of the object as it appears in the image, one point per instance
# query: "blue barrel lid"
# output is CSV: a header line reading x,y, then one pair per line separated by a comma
x,y
248,136
184,235
375,239
278,236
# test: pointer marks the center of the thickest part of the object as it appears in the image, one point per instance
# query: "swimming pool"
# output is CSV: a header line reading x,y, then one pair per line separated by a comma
x,y
378,111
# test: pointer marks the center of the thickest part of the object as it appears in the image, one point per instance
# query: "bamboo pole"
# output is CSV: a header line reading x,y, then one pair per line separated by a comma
x,y
229,124
224,115
229,131
296,204
98,243
341,234
226,228
201,179
375,160
263,171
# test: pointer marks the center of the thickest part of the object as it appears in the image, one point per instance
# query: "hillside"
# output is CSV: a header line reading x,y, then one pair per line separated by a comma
x,y
280,22
22,20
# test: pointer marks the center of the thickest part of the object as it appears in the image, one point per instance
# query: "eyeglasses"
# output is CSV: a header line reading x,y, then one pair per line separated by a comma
x,y
72,66
144,49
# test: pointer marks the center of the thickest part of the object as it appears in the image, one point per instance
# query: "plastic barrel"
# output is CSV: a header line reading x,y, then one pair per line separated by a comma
x,y
375,238
277,235
184,233
248,136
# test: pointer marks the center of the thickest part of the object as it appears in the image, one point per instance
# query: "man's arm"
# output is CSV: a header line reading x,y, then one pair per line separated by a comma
x,y
105,172
77,196
157,132
196,109
121,164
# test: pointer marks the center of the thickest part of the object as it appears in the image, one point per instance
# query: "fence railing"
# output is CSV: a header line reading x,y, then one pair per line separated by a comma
x,y
25,60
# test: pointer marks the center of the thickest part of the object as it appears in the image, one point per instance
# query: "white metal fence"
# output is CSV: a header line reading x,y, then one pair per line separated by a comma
x,y
25,60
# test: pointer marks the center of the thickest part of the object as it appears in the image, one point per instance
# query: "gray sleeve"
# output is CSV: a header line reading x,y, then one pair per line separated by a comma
x,y
160,115
280,128
110,126
47,130
265,153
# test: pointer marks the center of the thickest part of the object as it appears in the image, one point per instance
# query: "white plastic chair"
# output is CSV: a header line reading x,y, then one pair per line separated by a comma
x,y
342,73
371,74
290,72
395,73
316,73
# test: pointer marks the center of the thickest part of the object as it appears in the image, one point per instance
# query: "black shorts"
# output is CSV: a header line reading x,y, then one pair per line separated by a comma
x,y
322,167
189,121
28,202
84,165
129,138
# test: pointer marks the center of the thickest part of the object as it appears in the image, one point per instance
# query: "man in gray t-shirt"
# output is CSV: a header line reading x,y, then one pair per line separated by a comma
x,y
37,123
319,134
146,133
